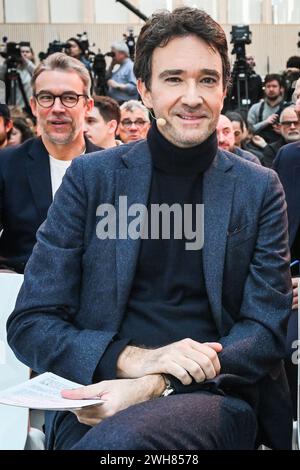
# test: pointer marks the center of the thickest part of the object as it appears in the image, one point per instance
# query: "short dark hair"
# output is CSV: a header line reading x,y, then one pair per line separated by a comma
x,y
5,112
23,127
235,116
293,62
108,108
163,26
274,77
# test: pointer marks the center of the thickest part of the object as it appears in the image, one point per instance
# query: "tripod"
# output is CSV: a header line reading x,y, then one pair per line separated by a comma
x,y
12,83
240,88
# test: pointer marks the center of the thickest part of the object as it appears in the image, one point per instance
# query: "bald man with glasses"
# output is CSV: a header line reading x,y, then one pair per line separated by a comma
x,y
31,173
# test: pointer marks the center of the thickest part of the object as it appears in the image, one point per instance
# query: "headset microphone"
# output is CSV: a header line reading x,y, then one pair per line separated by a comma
x,y
159,121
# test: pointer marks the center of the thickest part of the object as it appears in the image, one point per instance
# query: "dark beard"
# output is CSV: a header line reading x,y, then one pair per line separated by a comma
x,y
273,98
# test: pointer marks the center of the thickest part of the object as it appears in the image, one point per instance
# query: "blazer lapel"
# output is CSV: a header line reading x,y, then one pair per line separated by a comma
x,y
132,181
38,173
218,190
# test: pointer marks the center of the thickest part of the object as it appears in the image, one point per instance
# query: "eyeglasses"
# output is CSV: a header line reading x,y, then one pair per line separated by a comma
x,y
290,123
69,100
127,123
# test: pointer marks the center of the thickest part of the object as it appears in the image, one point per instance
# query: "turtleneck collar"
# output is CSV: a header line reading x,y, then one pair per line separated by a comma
x,y
180,161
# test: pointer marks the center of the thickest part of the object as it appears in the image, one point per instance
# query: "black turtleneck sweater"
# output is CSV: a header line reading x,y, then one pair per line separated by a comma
x,y
168,300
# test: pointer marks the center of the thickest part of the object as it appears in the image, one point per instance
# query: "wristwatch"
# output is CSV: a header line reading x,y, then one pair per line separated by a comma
x,y
168,388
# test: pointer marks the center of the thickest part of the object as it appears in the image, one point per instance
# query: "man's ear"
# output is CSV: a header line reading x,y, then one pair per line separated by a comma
x,y
145,94
9,125
224,95
112,126
32,103
89,105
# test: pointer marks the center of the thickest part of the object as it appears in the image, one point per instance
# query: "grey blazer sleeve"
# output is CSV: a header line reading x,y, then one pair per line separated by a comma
x,y
256,342
41,330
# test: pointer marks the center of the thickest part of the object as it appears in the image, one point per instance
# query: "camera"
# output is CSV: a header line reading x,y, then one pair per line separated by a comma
x,y
54,46
99,69
240,36
11,51
243,77
84,42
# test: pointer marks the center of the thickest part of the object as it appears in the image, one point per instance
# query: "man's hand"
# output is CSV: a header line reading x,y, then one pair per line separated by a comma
x,y
117,394
295,292
272,119
186,360
113,84
259,141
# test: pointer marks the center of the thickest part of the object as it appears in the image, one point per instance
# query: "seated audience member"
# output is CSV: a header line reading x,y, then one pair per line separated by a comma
x,y
239,127
287,166
31,173
255,144
135,121
6,125
20,132
290,132
226,141
181,335
102,121
121,81
243,137
16,112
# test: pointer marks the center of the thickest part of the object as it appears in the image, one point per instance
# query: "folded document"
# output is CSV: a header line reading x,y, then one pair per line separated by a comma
x,y
44,393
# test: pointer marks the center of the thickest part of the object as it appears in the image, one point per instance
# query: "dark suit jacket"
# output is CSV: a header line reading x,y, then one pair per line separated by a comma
x,y
287,165
270,152
246,155
25,197
77,287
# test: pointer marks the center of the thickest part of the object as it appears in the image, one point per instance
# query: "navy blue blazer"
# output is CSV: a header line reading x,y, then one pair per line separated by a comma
x,y
25,197
76,286
287,165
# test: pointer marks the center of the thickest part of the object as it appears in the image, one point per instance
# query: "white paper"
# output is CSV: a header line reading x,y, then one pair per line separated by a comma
x,y
44,393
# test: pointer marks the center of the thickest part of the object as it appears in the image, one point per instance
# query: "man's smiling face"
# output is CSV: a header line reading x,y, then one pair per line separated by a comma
x,y
186,90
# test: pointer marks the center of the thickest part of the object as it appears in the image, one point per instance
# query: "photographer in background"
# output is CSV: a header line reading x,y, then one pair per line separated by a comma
x,y
76,49
291,75
21,61
255,83
122,82
263,117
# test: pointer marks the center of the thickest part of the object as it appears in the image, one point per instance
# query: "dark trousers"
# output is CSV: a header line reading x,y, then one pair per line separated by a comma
x,y
195,421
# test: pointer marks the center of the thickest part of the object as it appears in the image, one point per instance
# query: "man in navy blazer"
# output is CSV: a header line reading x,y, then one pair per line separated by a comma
x,y
180,331
287,165
31,173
